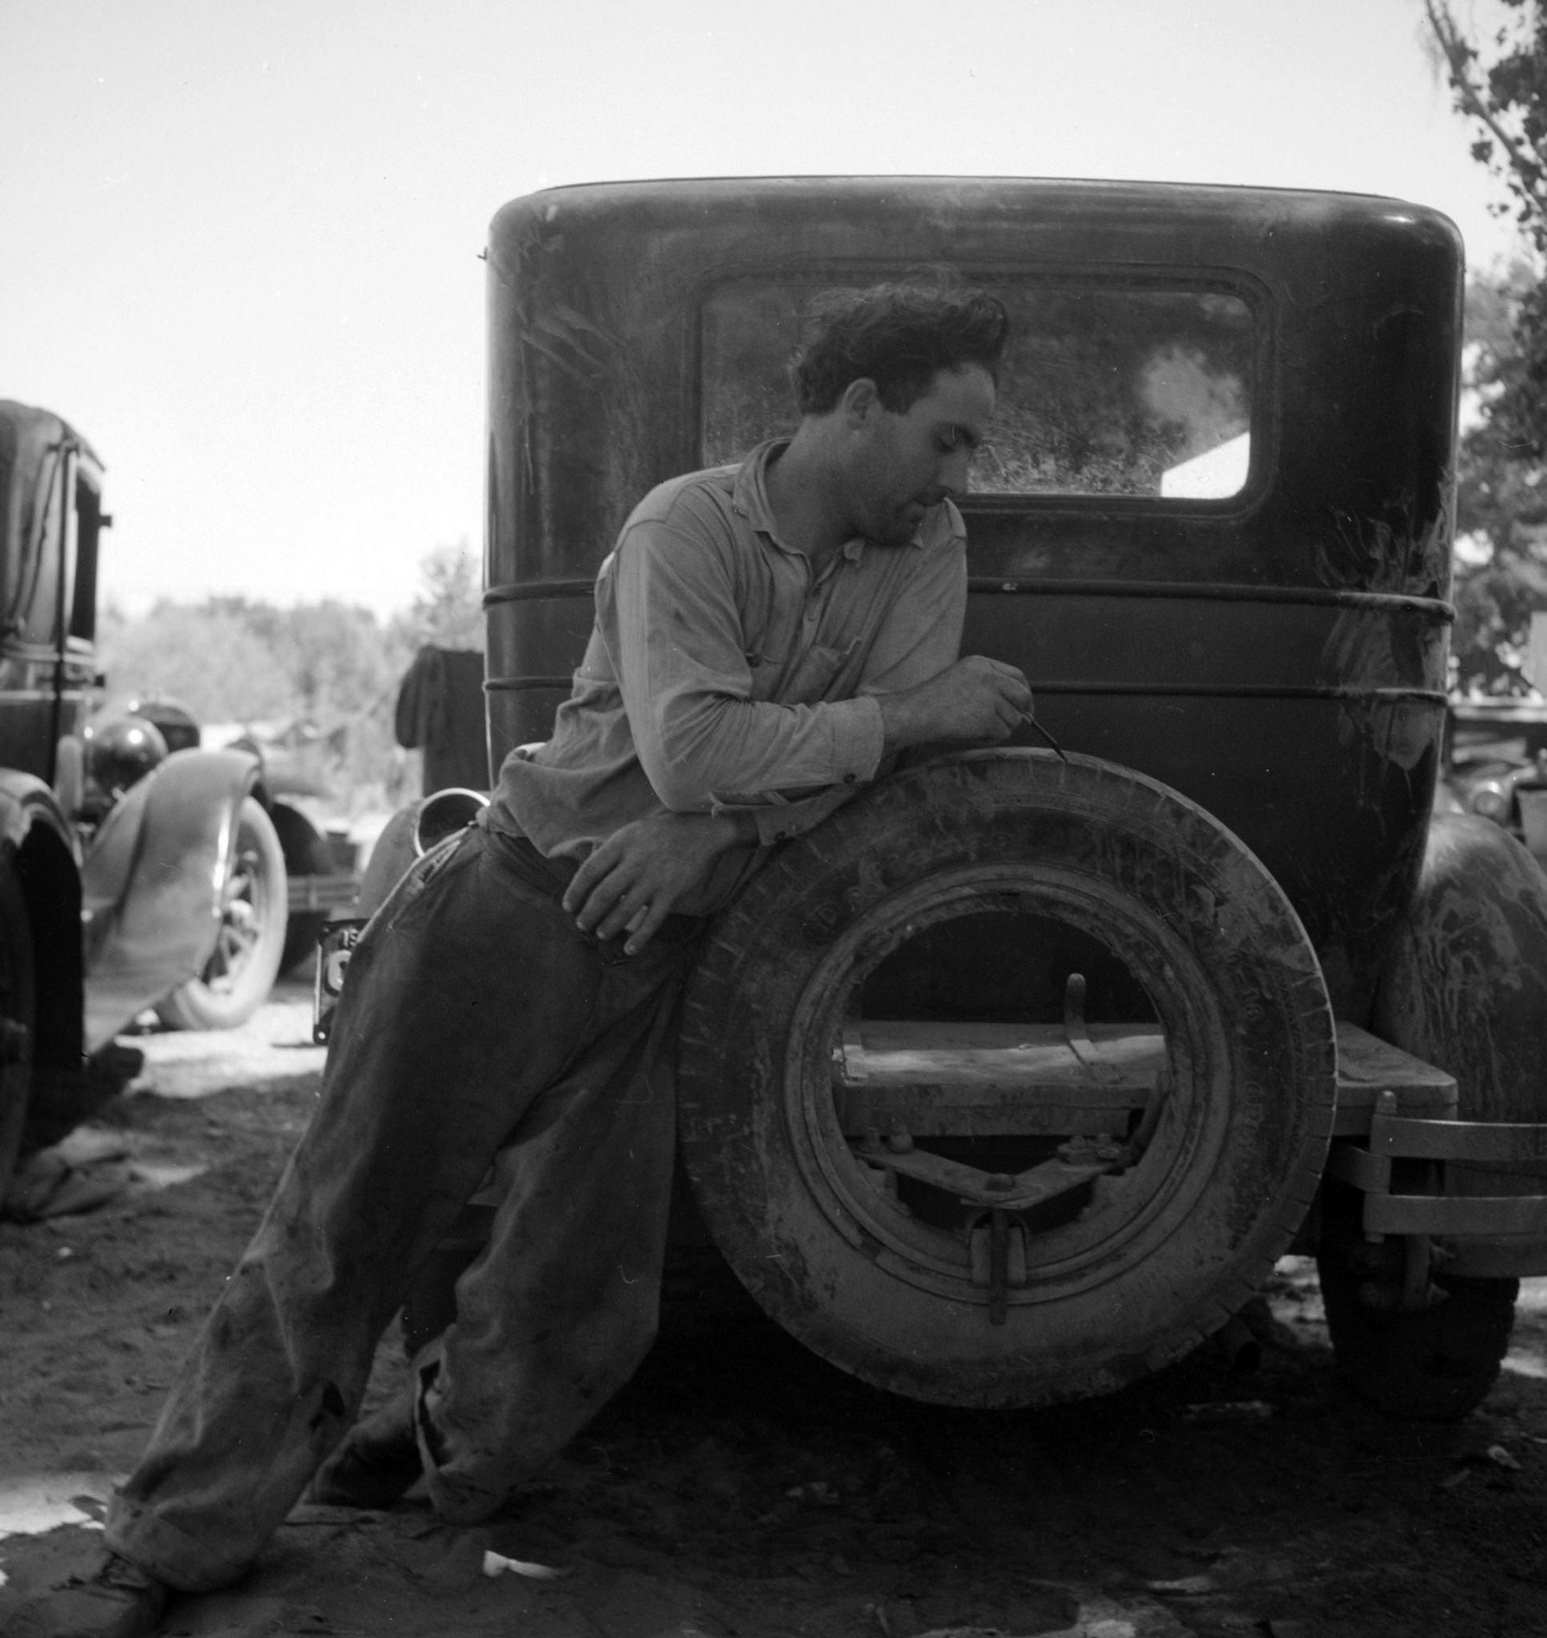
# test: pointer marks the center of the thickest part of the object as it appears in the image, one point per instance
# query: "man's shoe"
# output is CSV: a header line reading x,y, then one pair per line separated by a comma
x,y
377,1462
119,1601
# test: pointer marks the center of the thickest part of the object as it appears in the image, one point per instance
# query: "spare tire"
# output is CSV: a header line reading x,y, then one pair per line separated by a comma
x,y
884,1030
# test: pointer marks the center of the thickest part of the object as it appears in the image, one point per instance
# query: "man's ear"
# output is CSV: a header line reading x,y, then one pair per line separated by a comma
x,y
861,400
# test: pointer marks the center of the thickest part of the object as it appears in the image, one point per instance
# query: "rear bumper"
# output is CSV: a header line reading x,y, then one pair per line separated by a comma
x,y
1403,1147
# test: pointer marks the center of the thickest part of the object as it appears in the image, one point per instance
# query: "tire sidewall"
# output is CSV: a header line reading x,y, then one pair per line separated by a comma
x,y
1192,910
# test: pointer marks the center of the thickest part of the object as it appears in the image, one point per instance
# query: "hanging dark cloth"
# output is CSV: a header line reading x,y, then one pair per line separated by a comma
x,y
440,710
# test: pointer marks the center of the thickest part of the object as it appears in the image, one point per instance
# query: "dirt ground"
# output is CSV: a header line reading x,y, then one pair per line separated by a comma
x,y
739,1486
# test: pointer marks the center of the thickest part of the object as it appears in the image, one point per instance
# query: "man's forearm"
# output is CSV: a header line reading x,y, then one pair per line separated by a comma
x,y
710,753
977,701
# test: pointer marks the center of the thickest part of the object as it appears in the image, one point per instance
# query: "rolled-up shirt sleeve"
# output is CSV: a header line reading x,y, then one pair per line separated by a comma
x,y
670,613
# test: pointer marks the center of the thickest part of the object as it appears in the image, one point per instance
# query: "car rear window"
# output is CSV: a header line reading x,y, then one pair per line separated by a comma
x,y
1108,389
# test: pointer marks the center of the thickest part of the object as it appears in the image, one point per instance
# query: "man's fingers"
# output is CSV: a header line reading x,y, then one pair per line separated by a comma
x,y
643,927
634,914
629,884
1016,689
998,668
1005,684
575,893
596,907
621,903
593,870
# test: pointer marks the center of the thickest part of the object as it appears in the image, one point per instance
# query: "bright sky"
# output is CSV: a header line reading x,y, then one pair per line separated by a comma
x,y
240,241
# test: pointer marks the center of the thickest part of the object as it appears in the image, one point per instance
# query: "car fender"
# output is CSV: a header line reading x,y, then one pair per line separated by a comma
x,y
318,880
1465,984
305,846
152,882
25,802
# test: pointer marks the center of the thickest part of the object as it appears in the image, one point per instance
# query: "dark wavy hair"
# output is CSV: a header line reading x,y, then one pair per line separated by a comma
x,y
898,335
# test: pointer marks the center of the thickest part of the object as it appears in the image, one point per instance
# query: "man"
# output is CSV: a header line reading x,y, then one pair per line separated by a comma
x,y
768,638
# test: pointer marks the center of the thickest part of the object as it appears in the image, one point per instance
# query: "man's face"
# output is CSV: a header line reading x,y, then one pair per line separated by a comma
x,y
906,463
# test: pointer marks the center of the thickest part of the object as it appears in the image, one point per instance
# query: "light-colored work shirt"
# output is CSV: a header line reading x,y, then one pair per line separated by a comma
x,y
724,674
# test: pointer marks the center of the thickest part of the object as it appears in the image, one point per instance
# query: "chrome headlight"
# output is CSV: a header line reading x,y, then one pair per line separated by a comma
x,y
1492,802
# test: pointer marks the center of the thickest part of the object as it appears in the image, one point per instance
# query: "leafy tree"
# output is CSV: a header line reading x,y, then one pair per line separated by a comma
x,y
1500,83
336,658
448,610
1501,505
324,676
206,657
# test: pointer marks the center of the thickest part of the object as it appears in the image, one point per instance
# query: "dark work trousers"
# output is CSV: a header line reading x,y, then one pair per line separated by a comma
x,y
477,1027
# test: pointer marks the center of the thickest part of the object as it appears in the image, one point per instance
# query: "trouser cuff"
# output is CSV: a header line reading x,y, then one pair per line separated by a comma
x,y
183,1561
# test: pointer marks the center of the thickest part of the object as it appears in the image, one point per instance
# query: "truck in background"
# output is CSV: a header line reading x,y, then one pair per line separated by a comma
x,y
138,868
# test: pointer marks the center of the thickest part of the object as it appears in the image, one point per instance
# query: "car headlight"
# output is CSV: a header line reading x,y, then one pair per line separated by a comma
x,y
1492,802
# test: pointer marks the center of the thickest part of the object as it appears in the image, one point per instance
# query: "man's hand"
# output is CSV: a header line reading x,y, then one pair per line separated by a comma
x,y
631,881
976,701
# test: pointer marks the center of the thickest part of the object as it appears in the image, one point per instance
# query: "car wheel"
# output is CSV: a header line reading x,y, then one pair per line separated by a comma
x,y
306,854
1007,977
1432,1364
250,943
1464,987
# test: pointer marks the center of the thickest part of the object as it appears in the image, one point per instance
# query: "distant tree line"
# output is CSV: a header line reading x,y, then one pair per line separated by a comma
x,y
327,671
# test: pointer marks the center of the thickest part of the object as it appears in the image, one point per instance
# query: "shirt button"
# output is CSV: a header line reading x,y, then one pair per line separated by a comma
x,y
851,779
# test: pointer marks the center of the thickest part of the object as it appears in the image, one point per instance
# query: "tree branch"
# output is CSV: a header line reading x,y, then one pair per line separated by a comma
x,y
1523,163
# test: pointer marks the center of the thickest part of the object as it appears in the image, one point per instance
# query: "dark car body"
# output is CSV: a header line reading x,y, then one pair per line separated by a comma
x,y
1011,1081
1225,643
